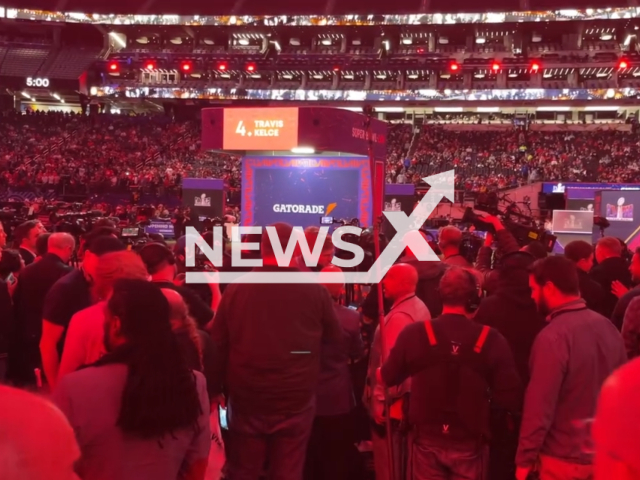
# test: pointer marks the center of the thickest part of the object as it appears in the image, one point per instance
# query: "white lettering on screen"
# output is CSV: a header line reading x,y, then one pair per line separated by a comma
x,y
287,208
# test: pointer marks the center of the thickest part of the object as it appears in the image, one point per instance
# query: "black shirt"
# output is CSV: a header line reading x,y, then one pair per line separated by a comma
x,y
36,281
200,311
67,297
593,293
27,256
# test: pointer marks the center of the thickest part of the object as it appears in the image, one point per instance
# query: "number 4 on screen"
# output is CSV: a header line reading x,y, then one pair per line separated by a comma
x,y
240,128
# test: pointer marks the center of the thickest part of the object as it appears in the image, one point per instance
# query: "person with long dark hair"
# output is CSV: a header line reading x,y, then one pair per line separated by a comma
x,y
139,412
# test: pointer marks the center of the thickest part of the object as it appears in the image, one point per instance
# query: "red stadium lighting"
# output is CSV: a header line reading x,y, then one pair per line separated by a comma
x,y
223,67
623,65
250,67
336,68
495,66
113,67
150,65
186,67
454,67
535,67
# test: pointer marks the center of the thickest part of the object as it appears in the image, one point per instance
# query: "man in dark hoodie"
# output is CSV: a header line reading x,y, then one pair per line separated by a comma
x,y
512,312
611,267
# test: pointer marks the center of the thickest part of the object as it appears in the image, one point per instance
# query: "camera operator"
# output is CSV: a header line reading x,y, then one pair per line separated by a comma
x,y
449,241
506,243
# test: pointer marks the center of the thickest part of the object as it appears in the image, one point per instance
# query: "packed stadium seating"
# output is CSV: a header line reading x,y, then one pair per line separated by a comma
x,y
95,154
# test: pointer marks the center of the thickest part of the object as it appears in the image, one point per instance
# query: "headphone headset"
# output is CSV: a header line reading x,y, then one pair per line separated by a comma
x,y
154,254
474,300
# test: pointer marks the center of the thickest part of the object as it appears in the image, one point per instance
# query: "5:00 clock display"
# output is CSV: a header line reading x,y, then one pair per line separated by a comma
x,y
38,82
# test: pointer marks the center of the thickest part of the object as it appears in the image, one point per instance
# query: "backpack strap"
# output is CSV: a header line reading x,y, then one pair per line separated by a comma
x,y
432,337
481,339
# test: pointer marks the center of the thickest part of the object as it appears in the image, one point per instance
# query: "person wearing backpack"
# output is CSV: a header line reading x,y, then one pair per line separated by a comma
x,y
457,369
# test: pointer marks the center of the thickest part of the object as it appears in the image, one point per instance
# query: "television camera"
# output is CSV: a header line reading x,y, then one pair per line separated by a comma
x,y
521,225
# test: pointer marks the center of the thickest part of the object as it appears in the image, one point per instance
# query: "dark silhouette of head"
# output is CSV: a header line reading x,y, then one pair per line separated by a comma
x,y
160,394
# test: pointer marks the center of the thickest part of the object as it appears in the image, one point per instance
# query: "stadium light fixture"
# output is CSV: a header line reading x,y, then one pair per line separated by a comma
x,y
250,67
496,67
186,67
336,68
535,67
223,66
113,67
454,66
623,64
150,65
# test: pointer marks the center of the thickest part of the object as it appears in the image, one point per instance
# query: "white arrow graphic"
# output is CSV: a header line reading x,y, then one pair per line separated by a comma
x,y
407,234
442,185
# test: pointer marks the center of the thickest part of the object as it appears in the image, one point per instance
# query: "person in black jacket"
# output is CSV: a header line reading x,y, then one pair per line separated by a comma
x,y
35,282
267,340
453,361
581,253
611,267
513,313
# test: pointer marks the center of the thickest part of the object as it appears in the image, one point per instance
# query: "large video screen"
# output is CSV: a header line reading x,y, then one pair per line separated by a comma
x,y
205,198
301,191
300,197
572,221
622,211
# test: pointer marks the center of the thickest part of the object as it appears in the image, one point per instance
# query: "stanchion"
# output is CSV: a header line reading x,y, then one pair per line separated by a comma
x,y
378,177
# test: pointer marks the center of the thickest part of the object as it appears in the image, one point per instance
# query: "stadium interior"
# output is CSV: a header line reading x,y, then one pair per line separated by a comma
x,y
127,124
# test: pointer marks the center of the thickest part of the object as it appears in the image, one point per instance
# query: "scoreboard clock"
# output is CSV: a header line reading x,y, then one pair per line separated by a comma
x,y
38,82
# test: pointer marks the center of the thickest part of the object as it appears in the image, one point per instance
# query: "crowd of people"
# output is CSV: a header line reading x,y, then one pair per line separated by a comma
x,y
75,154
488,160
495,367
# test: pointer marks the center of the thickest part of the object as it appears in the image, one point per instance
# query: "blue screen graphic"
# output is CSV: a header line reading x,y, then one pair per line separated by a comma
x,y
297,196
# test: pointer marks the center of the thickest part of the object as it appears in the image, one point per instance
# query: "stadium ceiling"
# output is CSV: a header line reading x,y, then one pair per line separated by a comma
x,y
305,7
